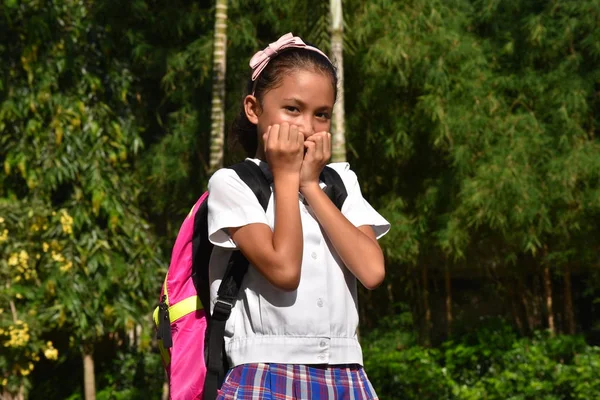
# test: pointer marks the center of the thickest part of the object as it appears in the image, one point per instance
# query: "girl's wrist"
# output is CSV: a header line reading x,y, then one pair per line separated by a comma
x,y
309,188
286,181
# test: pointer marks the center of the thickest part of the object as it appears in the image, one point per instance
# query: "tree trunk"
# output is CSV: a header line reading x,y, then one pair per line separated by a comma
x,y
427,310
527,298
165,389
15,317
390,296
89,378
548,296
449,316
217,133
570,315
5,395
337,54
516,316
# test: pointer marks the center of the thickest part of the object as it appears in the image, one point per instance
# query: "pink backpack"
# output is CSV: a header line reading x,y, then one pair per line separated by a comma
x,y
190,340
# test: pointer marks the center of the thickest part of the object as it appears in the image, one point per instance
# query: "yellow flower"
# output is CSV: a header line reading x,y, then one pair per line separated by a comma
x,y
57,257
66,267
4,382
25,372
19,335
1,220
45,247
23,257
13,259
67,222
4,236
51,353
19,296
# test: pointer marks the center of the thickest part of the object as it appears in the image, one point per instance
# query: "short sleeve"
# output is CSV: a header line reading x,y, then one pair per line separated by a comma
x,y
356,209
231,204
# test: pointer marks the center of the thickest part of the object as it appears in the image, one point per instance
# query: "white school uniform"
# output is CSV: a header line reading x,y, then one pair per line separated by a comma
x,y
315,324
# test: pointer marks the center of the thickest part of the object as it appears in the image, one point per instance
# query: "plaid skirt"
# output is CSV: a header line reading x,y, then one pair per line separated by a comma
x,y
304,382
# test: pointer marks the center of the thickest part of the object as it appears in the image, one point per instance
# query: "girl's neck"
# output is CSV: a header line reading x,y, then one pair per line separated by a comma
x,y
260,154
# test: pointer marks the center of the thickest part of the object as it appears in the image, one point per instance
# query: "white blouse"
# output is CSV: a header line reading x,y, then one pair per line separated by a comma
x,y
315,324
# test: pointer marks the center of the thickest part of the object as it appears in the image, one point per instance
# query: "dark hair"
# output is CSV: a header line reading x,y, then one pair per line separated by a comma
x,y
243,131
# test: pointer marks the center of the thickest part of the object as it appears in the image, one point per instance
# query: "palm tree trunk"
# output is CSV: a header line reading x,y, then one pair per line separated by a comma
x,y
217,134
337,53
89,378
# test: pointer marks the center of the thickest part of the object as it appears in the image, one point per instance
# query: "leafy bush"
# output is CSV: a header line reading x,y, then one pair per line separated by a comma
x,y
491,363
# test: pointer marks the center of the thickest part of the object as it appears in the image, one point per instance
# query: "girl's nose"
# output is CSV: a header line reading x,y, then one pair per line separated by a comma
x,y
307,126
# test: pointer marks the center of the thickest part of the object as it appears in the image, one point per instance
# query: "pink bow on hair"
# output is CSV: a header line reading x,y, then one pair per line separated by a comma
x,y
259,61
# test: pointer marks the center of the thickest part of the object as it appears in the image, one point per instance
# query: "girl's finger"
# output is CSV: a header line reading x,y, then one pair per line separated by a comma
x,y
293,134
309,149
284,132
300,138
319,147
327,146
273,136
265,136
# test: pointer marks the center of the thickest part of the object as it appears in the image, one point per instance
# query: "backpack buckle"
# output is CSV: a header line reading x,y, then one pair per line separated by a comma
x,y
222,309
224,302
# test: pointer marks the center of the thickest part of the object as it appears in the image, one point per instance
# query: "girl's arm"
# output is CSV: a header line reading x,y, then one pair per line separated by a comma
x,y
357,246
277,254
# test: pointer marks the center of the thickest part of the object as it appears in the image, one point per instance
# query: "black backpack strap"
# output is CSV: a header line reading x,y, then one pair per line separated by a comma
x,y
256,180
229,289
335,188
201,251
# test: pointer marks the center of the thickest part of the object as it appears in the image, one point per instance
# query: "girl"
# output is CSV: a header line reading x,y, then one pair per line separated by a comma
x,y
292,332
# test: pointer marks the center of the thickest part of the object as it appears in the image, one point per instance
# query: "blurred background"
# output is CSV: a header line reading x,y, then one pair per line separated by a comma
x,y
472,125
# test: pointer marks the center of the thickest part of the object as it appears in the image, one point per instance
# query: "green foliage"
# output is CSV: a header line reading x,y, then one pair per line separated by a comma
x,y
133,375
398,367
491,363
69,196
479,133
472,125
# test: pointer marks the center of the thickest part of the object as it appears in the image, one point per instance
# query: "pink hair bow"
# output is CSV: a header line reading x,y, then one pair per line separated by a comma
x,y
259,61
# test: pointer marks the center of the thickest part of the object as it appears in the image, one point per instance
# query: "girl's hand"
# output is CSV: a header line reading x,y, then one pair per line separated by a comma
x,y
318,153
284,150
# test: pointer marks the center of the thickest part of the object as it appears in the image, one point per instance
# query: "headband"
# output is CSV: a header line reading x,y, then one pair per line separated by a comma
x,y
259,61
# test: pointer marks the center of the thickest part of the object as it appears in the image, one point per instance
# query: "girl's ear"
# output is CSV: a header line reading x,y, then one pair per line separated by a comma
x,y
252,109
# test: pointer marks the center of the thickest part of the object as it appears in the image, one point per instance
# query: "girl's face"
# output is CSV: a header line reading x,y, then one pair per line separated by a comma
x,y
304,98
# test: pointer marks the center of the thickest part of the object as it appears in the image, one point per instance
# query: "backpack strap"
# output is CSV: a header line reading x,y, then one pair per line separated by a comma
x,y
201,251
230,286
335,188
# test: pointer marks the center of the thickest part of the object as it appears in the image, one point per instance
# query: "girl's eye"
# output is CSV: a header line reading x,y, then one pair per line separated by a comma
x,y
291,109
323,116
